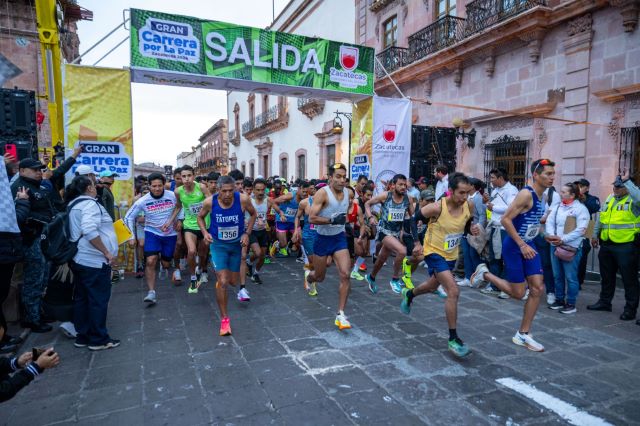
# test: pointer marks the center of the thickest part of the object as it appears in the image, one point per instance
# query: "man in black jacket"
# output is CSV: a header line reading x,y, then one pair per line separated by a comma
x,y
593,205
44,204
24,371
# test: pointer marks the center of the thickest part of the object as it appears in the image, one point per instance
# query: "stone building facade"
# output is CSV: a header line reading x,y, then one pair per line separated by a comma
x,y
20,58
533,78
212,154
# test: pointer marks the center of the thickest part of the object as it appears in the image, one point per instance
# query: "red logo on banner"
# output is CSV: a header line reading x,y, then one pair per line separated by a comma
x,y
389,132
349,57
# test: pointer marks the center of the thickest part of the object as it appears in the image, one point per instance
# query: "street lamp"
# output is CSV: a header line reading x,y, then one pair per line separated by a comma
x,y
337,128
470,137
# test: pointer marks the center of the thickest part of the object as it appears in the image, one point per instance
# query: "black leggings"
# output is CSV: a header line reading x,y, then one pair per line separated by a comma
x,y
6,273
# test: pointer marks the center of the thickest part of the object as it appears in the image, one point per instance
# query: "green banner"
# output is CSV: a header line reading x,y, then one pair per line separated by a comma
x,y
184,51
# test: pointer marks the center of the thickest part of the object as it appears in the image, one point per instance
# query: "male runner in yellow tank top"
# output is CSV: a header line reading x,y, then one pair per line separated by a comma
x,y
447,222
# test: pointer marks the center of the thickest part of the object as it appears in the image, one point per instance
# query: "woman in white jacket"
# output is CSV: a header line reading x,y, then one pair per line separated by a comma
x,y
92,227
565,227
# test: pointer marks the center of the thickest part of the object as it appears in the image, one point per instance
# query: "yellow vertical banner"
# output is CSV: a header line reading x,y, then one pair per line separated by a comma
x,y
97,105
361,137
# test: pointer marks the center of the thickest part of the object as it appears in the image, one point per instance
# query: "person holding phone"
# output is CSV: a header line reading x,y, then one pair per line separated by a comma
x,y
18,372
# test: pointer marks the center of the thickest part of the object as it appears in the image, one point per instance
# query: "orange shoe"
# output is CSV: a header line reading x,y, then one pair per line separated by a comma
x,y
225,327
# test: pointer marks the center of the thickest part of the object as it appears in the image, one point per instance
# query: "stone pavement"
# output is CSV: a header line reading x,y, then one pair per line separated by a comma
x,y
287,364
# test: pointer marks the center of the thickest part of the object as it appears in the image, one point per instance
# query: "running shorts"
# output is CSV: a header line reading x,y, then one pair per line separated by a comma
x,y
517,268
261,237
157,244
326,245
195,232
308,242
284,226
437,264
226,256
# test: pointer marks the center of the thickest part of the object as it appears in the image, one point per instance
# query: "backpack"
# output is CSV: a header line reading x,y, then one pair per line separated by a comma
x,y
55,239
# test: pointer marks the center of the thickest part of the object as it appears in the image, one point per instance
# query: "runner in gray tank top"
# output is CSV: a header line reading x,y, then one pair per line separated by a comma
x,y
329,214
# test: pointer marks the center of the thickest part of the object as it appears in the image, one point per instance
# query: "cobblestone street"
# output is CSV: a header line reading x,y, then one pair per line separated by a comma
x,y
287,364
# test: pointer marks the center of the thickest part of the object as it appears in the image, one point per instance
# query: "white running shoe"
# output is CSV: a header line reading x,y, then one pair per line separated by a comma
x,y
151,297
204,278
477,278
440,292
463,282
503,295
243,295
551,299
527,341
68,329
342,322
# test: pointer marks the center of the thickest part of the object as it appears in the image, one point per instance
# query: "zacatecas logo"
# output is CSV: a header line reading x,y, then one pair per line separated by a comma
x,y
346,77
389,133
168,40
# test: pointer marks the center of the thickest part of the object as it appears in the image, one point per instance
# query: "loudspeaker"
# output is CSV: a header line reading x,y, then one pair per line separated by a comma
x,y
17,113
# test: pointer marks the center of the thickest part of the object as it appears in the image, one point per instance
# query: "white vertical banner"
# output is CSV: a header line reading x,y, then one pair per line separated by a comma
x,y
391,148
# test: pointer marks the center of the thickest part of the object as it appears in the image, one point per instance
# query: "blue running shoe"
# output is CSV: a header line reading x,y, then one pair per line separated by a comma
x,y
458,348
373,287
405,305
396,285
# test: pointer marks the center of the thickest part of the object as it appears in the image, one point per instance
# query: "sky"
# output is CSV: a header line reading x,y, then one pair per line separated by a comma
x,y
167,120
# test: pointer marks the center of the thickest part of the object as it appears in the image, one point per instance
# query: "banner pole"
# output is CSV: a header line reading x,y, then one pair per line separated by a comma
x,y
389,77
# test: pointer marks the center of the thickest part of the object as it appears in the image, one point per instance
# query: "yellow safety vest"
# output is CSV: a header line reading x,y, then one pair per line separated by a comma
x,y
618,223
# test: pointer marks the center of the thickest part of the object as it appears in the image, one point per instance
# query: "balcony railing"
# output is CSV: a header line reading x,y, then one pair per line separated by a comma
x,y
272,114
234,137
311,107
392,58
482,14
443,33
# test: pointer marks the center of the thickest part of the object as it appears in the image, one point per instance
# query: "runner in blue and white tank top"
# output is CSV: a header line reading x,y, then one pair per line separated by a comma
x,y
227,235
329,214
259,238
522,262
286,207
305,234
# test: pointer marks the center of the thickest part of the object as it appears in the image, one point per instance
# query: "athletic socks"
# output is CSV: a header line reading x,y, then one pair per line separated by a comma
x,y
453,334
359,261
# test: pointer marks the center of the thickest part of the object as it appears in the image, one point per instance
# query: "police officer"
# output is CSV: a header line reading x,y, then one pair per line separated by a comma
x,y
618,235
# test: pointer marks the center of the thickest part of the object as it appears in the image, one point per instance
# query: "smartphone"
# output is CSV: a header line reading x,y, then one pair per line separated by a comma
x,y
36,352
12,150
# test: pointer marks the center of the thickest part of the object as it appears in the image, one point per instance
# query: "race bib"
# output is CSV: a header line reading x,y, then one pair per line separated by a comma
x,y
451,241
227,233
531,232
396,215
195,208
262,216
290,212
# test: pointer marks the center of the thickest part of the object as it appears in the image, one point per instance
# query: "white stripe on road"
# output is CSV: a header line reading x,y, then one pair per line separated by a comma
x,y
565,410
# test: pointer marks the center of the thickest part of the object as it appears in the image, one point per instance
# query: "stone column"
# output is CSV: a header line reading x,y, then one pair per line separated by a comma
x,y
577,47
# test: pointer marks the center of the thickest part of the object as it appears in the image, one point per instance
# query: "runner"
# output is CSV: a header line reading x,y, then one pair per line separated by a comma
x,y
179,260
396,206
305,235
355,229
329,214
227,236
191,196
447,221
243,293
144,190
286,207
212,182
362,243
274,192
259,239
160,232
522,262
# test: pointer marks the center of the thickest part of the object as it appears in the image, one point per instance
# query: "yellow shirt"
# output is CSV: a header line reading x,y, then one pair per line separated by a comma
x,y
445,234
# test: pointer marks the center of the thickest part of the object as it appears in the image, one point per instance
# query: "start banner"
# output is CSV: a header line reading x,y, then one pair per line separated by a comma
x,y
97,106
184,51
391,148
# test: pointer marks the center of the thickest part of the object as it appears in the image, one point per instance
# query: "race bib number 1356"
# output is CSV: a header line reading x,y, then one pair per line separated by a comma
x,y
228,233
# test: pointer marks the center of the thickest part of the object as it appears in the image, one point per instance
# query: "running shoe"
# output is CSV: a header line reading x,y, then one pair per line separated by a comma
x,y
204,278
273,249
406,268
110,344
407,282
405,305
569,309
551,299
373,287
256,278
282,253
527,341
363,267
68,329
356,275
309,287
396,285
299,259
193,287
267,261
503,295
463,282
490,290
477,278
243,295
458,348
176,278
151,297
225,327
440,292
342,322
557,305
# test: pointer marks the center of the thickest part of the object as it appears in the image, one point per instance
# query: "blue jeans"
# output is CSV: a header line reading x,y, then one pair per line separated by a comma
x,y
36,276
548,269
496,266
566,272
92,291
471,258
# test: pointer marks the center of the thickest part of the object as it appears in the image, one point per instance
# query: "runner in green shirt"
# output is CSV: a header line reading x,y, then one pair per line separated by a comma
x,y
190,196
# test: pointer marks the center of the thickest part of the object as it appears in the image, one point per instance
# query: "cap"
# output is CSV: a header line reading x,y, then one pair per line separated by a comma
x,y
84,170
30,163
107,173
583,182
427,194
618,182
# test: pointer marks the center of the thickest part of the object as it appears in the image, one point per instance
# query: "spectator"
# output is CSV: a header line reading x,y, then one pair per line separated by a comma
x,y
441,173
412,191
565,227
11,249
360,184
16,373
91,225
479,216
105,196
593,205
86,171
617,233
551,200
422,183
